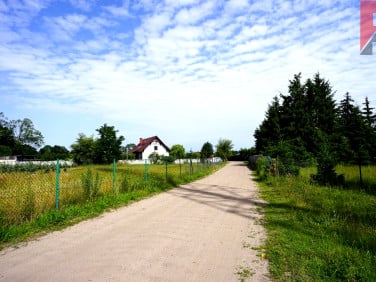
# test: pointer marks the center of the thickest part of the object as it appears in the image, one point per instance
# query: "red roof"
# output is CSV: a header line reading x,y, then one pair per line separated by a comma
x,y
144,143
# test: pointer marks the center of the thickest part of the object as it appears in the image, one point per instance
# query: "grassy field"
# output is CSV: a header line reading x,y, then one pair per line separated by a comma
x,y
320,233
28,199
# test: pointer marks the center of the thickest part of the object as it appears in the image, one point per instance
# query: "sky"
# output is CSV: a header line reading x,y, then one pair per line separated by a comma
x,y
188,71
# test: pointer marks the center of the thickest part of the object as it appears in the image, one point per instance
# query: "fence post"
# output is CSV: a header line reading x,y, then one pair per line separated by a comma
x,y
190,166
57,188
114,174
166,168
146,171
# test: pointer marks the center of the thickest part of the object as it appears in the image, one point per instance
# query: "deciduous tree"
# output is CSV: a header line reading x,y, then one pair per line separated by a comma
x,y
83,151
224,148
108,145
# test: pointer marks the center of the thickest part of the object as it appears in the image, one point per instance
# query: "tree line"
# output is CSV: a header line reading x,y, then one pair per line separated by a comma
x,y
19,137
308,126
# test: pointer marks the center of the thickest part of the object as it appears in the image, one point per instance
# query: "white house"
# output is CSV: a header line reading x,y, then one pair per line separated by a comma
x,y
148,146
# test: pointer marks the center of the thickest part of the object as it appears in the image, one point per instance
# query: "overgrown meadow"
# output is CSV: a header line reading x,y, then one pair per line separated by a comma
x,y
28,202
319,233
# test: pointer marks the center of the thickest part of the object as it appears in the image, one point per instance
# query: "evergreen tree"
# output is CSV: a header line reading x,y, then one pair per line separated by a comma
x,y
354,130
368,114
301,126
207,150
295,119
268,134
370,119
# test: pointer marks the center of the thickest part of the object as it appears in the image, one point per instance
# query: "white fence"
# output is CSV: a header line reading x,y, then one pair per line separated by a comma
x,y
211,160
42,163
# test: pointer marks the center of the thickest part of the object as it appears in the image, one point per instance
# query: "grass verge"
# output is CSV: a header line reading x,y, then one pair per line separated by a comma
x,y
319,233
71,214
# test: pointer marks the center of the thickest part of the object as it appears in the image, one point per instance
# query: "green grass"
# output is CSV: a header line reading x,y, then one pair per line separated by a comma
x,y
320,233
27,200
351,174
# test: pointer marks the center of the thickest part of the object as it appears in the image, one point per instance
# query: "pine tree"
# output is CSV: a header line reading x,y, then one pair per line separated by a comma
x,y
294,119
368,114
268,133
370,119
354,131
323,122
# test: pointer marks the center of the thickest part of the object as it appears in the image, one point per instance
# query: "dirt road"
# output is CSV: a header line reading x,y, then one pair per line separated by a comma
x,y
204,231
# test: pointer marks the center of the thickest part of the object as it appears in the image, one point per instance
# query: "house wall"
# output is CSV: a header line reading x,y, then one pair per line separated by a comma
x,y
161,150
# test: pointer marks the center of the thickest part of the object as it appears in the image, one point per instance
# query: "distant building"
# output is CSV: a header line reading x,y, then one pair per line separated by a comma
x,y
148,146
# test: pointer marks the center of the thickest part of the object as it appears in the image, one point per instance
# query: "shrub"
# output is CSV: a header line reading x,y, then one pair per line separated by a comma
x,y
263,165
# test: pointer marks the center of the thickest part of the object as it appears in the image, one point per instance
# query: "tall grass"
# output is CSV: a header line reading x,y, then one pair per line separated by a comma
x,y
318,233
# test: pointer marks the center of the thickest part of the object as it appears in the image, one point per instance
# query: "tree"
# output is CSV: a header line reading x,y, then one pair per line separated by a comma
x,y
268,134
177,151
154,157
368,114
108,145
224,148
207,150
83,151
49,153
7,142
296,126
370,119
355,131
193,155
126,151
19,137
25,133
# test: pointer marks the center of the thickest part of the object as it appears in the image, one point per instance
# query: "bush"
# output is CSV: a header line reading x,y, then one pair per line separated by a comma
x,y
263,165
287,167
326,163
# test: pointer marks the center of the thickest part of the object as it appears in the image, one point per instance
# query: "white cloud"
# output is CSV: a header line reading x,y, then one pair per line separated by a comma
x,y
195,14
188,69
122,11
81,4
181,3
235,6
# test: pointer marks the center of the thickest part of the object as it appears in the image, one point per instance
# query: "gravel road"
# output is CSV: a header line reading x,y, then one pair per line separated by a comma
x,y
207,230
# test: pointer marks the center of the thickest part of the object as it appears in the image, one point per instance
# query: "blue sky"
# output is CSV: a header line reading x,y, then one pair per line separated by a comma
x,y
189,71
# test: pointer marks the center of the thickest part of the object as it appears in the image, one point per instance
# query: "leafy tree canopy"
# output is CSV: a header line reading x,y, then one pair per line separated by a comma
x,y
207,150
177,151
108,145
50,153
83,151
104,149
19,137
224,148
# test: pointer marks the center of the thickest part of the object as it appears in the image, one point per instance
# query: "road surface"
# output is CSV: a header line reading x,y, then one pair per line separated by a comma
x,y
207,230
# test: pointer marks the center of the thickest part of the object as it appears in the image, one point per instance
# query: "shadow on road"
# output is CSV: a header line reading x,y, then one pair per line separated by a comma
x,y
224,198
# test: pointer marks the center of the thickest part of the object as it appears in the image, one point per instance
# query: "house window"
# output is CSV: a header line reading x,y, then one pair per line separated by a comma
x,y
155,148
